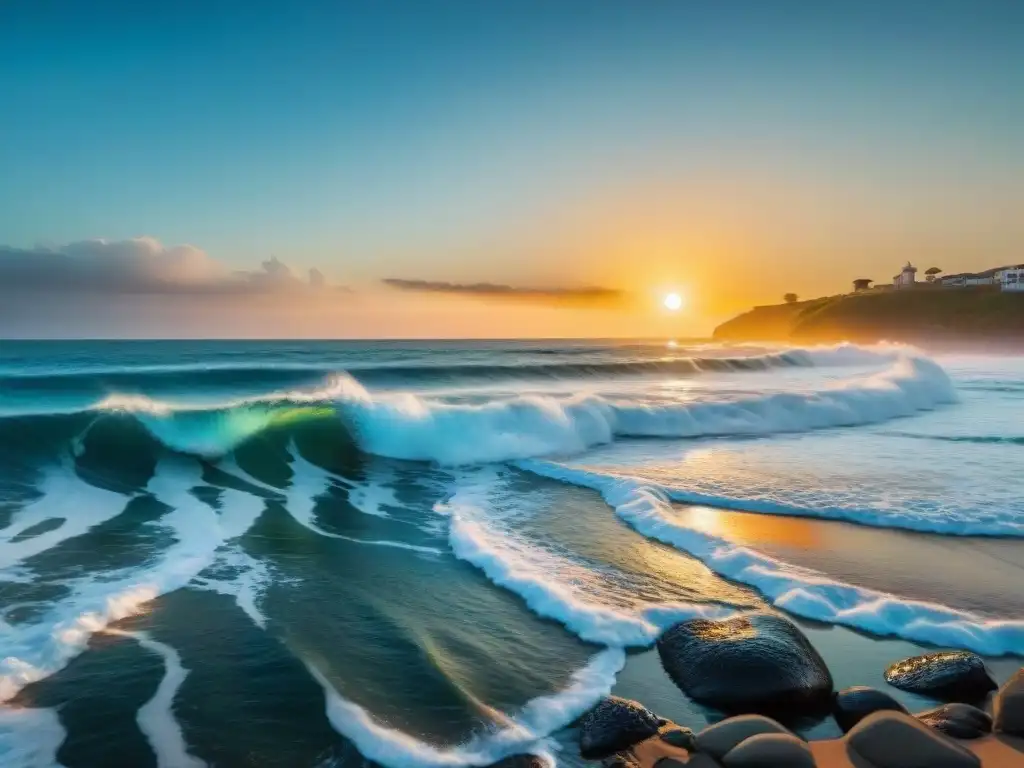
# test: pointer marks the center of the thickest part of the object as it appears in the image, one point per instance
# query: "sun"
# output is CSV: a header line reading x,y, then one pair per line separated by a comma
x,y
673,302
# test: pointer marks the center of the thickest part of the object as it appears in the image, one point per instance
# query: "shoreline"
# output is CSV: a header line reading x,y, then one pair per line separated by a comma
x,y
978,574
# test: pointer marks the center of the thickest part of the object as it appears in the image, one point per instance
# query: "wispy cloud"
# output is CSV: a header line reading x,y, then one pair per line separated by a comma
x,y
549,295
142,265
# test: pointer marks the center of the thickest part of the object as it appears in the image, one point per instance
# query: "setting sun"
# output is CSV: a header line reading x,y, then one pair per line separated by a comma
x,y
673,302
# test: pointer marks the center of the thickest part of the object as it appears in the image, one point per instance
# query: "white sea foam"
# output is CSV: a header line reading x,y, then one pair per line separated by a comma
x,y
246,583
533,575
156,717
800,591
308,484
29,738
847,478
407,426
67,498
525,732
41,647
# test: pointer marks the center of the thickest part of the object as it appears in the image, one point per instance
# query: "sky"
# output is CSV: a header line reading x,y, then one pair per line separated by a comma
x,y
440,168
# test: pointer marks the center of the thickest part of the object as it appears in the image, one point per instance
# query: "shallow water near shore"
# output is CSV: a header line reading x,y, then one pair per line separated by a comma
x,y
314,554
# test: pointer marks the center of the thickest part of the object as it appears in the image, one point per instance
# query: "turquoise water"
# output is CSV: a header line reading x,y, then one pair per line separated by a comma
x,y
311,554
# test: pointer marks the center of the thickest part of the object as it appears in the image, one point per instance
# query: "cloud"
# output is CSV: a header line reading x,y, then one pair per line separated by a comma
x,y
551,295
141,265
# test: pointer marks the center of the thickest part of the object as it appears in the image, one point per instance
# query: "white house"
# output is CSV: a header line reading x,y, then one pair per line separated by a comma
x,y
906,278
988,277
1007,278
1011,278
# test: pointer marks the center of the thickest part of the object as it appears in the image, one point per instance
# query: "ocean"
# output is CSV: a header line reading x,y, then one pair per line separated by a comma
x,y
418,555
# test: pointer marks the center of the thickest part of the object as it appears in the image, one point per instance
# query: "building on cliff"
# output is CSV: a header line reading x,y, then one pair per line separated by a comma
x,y
905,279
1007,278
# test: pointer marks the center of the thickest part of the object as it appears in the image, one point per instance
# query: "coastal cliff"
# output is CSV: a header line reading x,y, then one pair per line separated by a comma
x,y
923,314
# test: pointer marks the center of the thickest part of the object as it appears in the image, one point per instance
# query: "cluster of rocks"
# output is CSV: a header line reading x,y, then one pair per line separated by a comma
x,y
760,666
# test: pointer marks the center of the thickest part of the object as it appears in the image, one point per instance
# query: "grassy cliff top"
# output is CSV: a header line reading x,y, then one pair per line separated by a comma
x,y
921,314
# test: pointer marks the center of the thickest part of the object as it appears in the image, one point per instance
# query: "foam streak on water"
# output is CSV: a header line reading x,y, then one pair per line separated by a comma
x,y
66,499
41,647
526,732
156,717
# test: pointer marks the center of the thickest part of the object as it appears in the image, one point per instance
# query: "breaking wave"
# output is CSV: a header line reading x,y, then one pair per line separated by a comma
x,y
404,425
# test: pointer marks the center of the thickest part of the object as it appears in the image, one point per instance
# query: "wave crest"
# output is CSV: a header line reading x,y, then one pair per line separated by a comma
x,y
410,426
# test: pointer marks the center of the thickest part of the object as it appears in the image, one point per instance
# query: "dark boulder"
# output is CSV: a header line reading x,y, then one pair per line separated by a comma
x,y
770,750
754,662
852,705
1008,706
961,721
614,725
520,761
895,740
946,675
678,736
721,738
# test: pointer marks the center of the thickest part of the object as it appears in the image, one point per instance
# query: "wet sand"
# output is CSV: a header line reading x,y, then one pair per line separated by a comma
x,y
978,574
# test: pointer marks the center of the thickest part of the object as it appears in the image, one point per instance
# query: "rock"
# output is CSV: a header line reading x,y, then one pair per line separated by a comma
x,y
719,739
755,662
1008,706
770,750
949,675
895,740
852,705
678,736
614,725
695,761
520,761
961,721
621,760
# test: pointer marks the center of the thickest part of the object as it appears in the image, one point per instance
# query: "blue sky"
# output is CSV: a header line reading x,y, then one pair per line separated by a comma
x,y
484,141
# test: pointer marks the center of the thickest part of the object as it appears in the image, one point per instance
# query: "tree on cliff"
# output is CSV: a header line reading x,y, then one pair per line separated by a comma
x,y
790,298
930,274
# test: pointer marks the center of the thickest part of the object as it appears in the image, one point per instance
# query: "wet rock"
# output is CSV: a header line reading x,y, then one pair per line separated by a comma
x,y
852,705
770,750
614,725
678,736
1008,706
719,739
621,760
947,675
755,662
695,761
895,740
961,721
520,761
